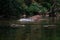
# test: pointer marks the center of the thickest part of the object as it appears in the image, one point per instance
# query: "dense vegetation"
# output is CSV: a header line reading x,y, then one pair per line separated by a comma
x,y
14,8
9,9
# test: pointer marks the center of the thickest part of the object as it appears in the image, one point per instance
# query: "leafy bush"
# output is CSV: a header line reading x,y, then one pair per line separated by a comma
x,y
9,9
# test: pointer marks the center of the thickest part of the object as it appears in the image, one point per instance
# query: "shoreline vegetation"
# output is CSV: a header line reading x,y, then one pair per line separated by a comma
x,y
45,13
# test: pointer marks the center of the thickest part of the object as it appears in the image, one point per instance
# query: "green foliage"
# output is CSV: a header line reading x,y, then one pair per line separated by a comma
x,y
28,2
58,1
49,1
35,7
9,9
20,1
47,5
43,10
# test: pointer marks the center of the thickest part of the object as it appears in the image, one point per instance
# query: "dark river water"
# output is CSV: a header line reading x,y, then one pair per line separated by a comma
x,y
29,32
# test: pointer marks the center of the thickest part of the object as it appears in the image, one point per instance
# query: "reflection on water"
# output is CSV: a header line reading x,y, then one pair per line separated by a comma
x,y
29,32
41,31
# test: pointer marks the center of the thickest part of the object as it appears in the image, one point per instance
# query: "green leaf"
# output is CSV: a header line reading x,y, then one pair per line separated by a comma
x,y
34,7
